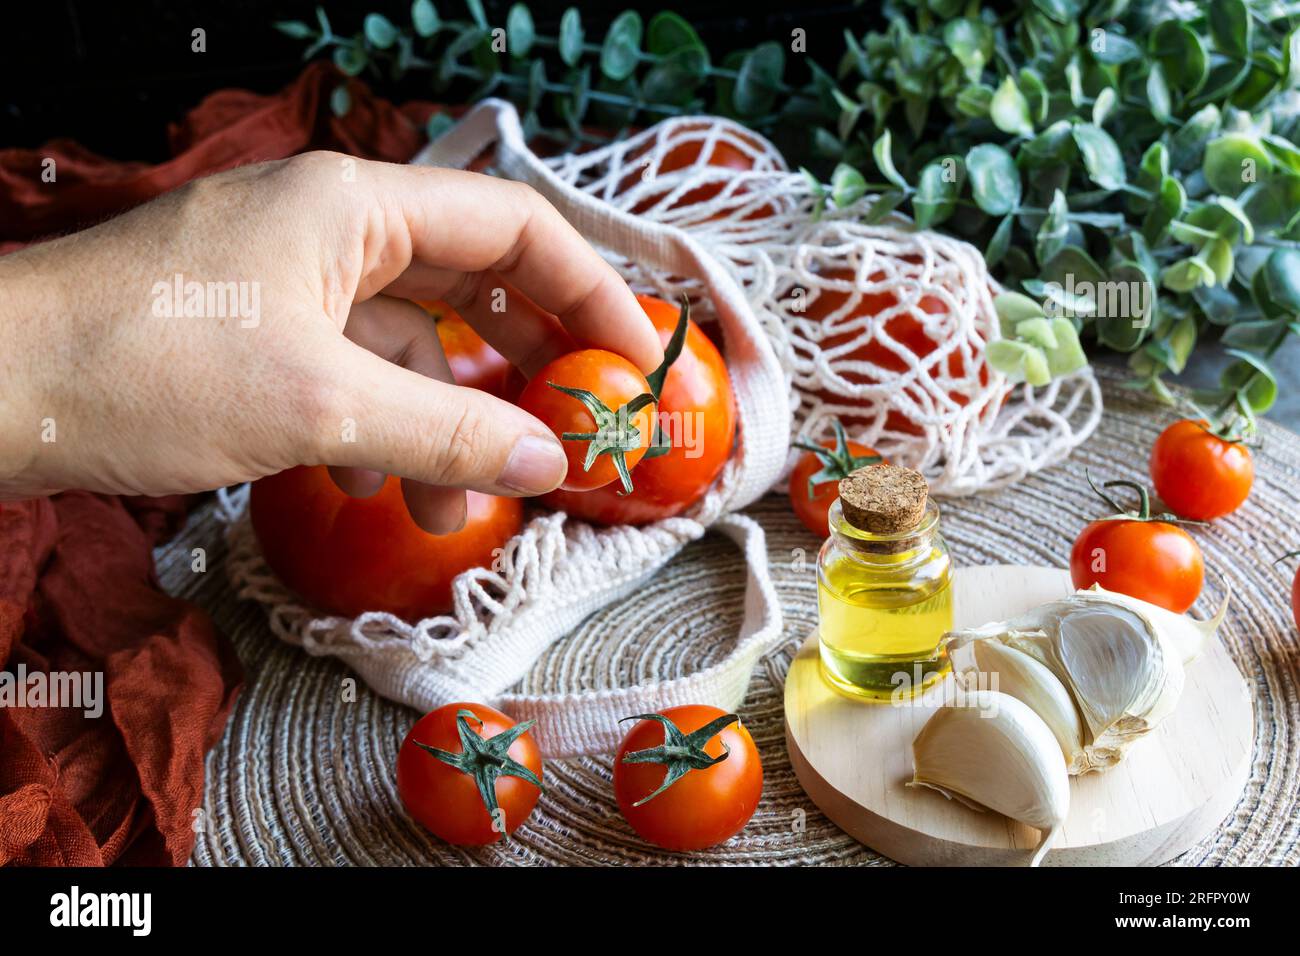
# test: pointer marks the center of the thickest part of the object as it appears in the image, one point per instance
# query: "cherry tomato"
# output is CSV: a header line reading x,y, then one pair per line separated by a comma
x,y
349,555
686,154
703,807
474,363
697,412
612,382
1295,598
443,794
865,345
1198,474
815,481
1137,555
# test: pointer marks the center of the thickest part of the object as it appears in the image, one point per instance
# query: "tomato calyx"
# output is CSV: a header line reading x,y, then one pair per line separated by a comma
x,y
1144,503
615,435
838,462
1288,556
660,444
485,759
680,753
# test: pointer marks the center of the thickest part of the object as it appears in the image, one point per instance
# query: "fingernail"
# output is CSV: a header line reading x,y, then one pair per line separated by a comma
x,y
536,465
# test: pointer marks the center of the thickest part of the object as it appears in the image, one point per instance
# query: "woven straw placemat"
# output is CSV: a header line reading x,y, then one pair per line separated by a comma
x,y
304,772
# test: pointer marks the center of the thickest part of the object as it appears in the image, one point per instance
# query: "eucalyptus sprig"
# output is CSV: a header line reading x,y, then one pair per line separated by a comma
x,y
1130,164
567,85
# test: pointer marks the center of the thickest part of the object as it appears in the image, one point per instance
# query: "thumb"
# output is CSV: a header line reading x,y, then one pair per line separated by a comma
x,y
399,422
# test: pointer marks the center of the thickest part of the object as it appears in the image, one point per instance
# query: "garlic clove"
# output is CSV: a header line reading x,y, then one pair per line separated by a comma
x,y
1032,683
994,752
1186,633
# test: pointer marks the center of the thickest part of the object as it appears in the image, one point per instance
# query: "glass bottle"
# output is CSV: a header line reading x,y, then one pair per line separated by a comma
x,y
883,602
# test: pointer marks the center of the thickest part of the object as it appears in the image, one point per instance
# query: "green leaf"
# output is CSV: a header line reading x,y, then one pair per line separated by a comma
x,y
1103,104
974,101
1014,308
1251,377
936,191
424,17
847,186
476,13
350,59
1019,362
1101,157
1067,356
571,37
1009,109
971,42
1189,140
1229,23
1055,230
1037,332
1186,274
1256,336
1233,161
437,124
1171,199
759,79
881,153
622,48
999,242
885,204
294,28
1217,254
1158,93
1281,272
520,32
1292,58
668,33
994,179
1181,55
379,30
340,100
1113,49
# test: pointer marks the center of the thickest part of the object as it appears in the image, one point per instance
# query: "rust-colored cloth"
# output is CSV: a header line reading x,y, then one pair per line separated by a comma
x,y
78,591
229,128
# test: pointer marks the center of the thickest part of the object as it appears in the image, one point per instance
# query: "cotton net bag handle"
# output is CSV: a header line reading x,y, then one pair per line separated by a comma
x,y
585,722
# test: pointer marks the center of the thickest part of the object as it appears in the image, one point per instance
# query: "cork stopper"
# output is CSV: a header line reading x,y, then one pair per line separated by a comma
x,y
884,499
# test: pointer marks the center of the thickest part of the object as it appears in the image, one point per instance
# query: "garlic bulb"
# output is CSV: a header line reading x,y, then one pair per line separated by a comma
x,y
1120,662
1031,683
1186,633
994,752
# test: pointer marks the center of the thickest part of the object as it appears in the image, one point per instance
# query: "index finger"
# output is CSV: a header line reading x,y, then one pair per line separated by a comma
x,y
460,223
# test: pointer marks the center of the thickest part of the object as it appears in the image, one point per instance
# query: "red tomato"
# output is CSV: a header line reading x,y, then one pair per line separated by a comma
x,y
1295,598
697,411
614,382
814,483
702,808
349,555
1137,555
1198,474
686,154
867,346
446,798
474,363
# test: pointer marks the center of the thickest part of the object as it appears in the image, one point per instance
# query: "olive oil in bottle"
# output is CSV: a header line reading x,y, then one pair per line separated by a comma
x,y
884,587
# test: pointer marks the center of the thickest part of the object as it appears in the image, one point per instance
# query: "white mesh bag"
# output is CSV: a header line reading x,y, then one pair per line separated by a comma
x,y
670,211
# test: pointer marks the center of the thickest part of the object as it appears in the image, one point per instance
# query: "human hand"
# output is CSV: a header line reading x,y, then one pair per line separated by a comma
x,y
305,348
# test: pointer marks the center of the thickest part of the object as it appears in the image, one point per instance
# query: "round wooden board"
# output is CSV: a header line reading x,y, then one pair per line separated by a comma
x,y
1171,790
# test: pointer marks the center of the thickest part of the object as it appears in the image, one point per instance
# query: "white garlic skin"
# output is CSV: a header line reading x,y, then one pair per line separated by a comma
x,y
994,752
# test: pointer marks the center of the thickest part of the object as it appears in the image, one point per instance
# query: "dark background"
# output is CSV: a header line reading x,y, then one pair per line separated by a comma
x,y
112,75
